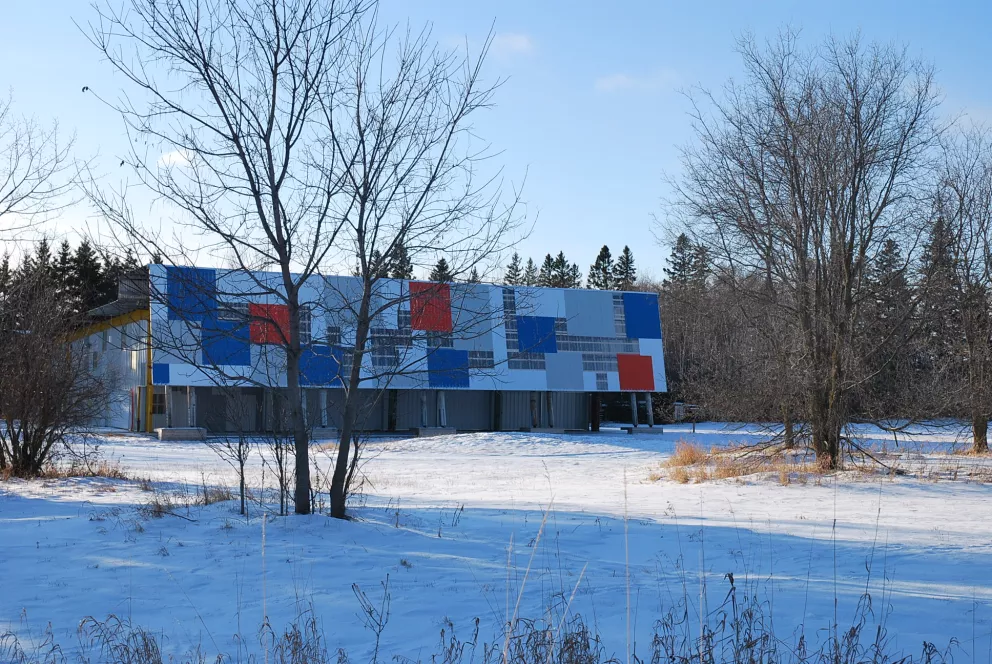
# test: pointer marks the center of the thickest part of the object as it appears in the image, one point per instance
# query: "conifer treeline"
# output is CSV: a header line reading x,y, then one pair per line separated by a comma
x,y
80,279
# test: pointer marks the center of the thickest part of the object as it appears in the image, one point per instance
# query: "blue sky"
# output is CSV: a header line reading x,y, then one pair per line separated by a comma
x,y
591,109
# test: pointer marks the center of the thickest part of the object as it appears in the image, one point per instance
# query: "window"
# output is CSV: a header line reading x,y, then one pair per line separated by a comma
x,y
236,311
306,322
333,336
158,403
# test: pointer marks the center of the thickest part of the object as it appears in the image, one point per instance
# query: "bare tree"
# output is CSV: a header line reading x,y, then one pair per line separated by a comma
x,y
963,206
798,176
239,150
49,387
400,122
37,171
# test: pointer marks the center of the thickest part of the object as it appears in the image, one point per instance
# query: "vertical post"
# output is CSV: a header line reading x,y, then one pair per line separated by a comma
x,y
633,409
149,388
594,411
191,405
551,409
442,410
168,406
534,422
423,409
323,407
393,408
497,411
650,407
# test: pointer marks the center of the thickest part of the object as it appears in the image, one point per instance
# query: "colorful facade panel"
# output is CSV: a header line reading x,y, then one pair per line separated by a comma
x,y
214,326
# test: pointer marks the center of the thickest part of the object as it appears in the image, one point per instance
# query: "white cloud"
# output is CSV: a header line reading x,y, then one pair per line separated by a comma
x,y
512,43
174,158
619,82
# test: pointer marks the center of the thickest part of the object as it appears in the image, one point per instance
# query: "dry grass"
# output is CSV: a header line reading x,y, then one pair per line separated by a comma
x,y
686,454
691,463
101,468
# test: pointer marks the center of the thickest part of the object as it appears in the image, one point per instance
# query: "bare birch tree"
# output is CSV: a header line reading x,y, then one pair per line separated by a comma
x,y
798,175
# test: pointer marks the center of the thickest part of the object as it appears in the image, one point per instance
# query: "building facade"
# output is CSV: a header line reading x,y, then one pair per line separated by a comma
x,y
205,347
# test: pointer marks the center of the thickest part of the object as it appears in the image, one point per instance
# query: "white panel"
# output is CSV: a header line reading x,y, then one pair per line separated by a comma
x,y
613,381
656,350
589,380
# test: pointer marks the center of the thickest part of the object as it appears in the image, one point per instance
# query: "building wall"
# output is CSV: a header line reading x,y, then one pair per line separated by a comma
x,y
217,327
117,349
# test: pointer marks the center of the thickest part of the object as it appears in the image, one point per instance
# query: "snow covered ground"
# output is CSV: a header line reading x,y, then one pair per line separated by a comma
x,y
455,522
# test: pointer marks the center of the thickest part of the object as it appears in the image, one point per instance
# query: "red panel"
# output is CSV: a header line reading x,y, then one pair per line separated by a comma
x,y
269,323
636,372
430,307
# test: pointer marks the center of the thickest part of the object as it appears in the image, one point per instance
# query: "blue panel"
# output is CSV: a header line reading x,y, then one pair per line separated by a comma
x,y
160,374
447,367
192,293
643,316
320,365
536,334
225,342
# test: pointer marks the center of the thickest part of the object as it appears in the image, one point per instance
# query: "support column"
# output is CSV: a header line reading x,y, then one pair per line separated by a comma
x,y
534,421
191,405
595,410
168,406
633,408
423,409
442,410
392,410
323,408
650,407
497,411
551,409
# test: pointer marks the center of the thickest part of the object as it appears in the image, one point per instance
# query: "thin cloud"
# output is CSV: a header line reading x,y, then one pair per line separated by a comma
x,y
174,158
512,43
621,82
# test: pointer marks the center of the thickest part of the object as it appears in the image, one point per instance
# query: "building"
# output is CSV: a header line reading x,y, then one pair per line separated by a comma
x,y
204,347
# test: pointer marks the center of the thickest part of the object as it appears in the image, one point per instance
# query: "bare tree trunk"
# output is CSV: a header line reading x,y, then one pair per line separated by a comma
x,y
339,479
980,433
788,428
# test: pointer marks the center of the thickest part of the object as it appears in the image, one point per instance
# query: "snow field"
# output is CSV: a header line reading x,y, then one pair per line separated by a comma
x,y
456,524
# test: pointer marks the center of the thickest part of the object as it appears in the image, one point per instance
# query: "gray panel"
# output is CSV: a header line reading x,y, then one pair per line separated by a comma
x,y
564,371
590,313
469,410
473,316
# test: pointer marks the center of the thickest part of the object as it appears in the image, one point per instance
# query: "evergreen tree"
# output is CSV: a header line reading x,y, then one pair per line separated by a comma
x,y
625,273
40,262
886,332
89,280
601,272
514,274
64,275
400,267
473,277
156,258
441,272
531,276
6,276
544,277
700,267
681,264
939,310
